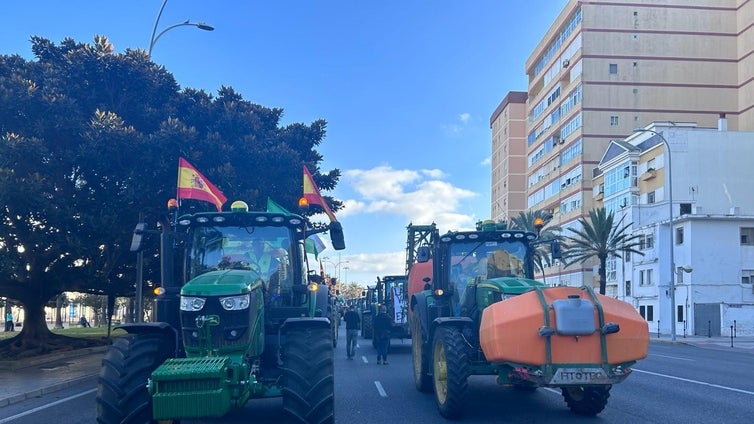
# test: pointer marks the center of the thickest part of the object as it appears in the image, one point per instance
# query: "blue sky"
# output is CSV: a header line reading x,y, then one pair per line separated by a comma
x,y
407,88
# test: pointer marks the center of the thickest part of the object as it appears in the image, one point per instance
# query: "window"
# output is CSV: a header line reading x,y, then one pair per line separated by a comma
x,y
650,197
628,287
647,312
613,68
613,121
747,236
747,276
679,235
685,208
679,313
645,277
650,242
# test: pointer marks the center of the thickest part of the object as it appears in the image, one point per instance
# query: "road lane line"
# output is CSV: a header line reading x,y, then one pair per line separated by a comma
x,y
364,359
39,408
672,357
380,389
717,386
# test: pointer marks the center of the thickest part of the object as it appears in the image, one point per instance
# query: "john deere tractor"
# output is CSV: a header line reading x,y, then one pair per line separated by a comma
x,y
245,320
477,310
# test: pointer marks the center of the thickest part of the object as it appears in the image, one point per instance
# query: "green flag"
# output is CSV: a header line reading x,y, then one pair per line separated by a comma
x,y
313,245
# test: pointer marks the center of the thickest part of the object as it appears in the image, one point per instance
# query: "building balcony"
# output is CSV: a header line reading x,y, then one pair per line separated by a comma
x,y
651,173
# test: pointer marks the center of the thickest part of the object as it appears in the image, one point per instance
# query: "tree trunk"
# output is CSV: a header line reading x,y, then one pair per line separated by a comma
x,y
58,308
34,331
603,274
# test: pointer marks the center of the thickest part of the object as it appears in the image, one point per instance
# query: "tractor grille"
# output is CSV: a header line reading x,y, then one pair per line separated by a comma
x,y
232,331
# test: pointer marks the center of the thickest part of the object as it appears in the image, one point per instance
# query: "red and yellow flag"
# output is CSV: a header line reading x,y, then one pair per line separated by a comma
x,y
193,185
311,194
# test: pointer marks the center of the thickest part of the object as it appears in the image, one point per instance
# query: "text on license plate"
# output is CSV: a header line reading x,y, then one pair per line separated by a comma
x,y
579,376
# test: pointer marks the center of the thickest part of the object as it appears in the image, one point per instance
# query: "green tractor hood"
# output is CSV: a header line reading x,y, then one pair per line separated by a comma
x,y
221,283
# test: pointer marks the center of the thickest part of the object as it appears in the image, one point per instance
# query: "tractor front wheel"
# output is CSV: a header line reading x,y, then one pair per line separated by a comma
x,y
367,328
308,381
451,371
122,395
586,400
422,379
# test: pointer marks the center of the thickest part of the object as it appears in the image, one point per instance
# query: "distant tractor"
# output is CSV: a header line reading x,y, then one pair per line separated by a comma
x,y
242,319
477,310
392,292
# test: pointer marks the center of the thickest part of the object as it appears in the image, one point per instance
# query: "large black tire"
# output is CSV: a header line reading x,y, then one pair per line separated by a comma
x,y
450,371
335,333
367,326
586,400
122,395
422,379
308,380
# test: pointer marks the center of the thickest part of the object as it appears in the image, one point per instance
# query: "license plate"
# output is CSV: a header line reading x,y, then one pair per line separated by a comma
x,y
570,376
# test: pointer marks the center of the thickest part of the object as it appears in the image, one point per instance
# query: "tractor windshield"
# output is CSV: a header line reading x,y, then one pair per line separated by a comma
x,y
485,260
265,251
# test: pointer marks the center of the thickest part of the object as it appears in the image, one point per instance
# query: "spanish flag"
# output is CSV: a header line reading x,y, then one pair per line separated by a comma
x,y
193,185
311,194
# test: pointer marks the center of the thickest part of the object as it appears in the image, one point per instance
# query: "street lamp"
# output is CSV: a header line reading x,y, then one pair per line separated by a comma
x,y
670,209
153,39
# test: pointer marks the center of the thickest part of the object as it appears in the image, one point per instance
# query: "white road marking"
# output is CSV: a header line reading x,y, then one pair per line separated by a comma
x,y
39,408
380,389
673,357
364,359
702,383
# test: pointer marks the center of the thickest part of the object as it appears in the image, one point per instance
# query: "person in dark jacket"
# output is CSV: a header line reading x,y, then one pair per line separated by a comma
x,y
382,326
352,331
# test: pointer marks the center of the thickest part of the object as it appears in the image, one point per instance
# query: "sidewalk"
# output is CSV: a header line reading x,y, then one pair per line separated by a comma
x,y
28,378
32,377
745,343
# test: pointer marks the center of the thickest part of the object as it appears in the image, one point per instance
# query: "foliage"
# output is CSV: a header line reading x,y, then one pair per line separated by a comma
x,y
90,140
602,237
525,221
350,291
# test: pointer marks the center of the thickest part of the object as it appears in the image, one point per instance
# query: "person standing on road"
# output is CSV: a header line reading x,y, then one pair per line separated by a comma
x,y
352,331
382,326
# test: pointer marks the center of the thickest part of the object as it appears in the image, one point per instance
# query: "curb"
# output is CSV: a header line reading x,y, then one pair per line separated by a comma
x,y
43,391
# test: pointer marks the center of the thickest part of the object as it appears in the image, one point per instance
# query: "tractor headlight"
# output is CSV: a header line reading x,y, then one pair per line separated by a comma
x,y
235,303
192,304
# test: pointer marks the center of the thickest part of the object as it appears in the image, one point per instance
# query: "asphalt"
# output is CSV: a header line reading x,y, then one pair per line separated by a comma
x,y
33,377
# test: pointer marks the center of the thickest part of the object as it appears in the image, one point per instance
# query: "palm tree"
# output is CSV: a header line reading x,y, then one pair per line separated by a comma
x,y
525,221
602,237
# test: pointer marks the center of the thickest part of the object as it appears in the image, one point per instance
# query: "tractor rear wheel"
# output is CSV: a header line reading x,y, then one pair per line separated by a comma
x,y
308,381
122,395
586,400
367,328
422,379
451,371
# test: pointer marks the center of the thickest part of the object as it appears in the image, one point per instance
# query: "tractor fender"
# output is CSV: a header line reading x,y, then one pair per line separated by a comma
x,y
313,322
458,322
418,306
163,328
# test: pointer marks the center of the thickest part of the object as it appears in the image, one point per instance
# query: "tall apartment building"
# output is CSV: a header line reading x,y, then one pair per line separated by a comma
x,y
605,68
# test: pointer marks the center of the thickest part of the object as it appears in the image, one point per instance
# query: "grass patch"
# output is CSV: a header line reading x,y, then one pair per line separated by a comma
x,y
78,332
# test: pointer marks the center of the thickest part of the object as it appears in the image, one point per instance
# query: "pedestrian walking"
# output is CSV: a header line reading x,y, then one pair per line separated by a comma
x,y
352,331
9,326
382,326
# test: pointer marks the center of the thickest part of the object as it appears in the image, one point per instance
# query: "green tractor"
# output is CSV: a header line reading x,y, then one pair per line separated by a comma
x,y
245,320
476,309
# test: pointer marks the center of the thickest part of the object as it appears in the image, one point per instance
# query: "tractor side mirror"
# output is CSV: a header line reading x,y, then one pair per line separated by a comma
x,y
336,236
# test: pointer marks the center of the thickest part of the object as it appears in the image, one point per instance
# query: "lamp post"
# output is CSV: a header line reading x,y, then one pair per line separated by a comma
x,y
671,290
153,39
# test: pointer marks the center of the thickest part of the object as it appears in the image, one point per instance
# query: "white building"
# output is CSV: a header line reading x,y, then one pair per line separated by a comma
x,y
713,226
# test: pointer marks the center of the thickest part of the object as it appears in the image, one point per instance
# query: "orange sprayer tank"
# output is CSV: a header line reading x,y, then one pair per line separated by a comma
x,y
509,330
416,276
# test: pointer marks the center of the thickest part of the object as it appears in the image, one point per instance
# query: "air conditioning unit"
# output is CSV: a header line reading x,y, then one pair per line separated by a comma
x,y
566,62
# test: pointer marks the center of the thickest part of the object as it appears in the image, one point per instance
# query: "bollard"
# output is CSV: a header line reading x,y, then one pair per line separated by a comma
x,y
731,336
734,329
709,328
658,328
684,329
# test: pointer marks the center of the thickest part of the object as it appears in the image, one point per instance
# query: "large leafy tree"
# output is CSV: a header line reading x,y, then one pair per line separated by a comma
x,y
90,140
547,235
601,236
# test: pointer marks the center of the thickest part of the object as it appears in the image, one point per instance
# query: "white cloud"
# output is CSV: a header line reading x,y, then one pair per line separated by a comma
x,y
419,196
456,128
464,117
